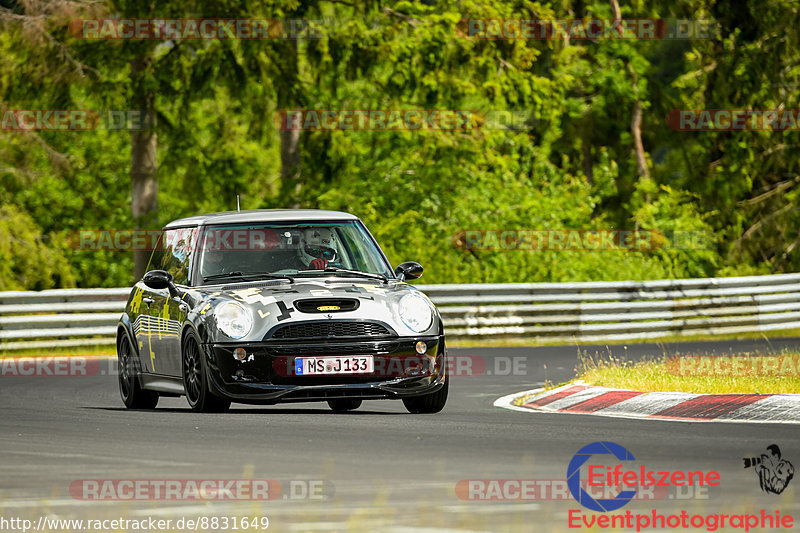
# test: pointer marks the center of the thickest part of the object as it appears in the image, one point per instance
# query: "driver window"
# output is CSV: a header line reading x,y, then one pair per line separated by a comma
x,y
176,253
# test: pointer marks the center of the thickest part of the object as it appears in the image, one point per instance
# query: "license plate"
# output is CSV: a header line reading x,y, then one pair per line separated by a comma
x,y
316,366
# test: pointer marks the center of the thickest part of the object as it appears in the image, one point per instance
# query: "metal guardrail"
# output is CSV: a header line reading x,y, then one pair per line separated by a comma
x,y
60,317
587,311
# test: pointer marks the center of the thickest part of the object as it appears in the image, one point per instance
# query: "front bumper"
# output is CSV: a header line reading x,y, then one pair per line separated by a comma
x,y
267,373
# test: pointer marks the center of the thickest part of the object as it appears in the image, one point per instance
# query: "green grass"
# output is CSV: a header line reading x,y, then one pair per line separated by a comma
x,y
542,341
655,374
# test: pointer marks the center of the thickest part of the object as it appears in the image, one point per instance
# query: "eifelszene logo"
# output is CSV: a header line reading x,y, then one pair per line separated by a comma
x,y
631,479
612,470
774,473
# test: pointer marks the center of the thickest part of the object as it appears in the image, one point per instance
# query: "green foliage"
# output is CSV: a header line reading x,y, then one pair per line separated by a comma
x,y
570,165
28,260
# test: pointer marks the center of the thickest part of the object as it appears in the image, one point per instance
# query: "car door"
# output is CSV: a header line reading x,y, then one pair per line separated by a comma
x,y
168,311
142,312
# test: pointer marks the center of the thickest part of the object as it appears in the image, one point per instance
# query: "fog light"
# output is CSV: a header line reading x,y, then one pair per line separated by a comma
x,y
421,347
239,354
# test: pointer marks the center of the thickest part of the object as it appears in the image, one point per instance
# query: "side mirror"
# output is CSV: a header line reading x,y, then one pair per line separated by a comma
x,y
408,270
159,279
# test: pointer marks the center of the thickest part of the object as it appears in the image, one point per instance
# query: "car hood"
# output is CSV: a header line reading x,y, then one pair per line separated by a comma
x,y
276,303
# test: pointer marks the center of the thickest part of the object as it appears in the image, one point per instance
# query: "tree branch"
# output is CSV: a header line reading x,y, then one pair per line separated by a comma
x,y
772,191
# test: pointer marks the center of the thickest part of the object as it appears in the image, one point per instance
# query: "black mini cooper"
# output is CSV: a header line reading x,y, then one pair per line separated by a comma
x,y
273,306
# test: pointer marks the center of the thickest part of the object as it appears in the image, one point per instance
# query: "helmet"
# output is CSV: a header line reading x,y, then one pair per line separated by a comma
x,y
317,243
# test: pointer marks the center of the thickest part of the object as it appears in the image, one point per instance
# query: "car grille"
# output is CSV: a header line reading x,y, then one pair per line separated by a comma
x,y
334,349
331,329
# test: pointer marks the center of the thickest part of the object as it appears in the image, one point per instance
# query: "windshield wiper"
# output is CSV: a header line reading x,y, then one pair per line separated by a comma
x,y
357,273
244,275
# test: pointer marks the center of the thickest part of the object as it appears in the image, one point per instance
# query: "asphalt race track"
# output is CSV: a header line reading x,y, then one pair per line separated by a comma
x,y
381,468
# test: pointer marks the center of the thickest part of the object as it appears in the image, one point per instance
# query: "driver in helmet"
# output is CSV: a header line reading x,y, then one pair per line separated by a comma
x,y
316,250
212,263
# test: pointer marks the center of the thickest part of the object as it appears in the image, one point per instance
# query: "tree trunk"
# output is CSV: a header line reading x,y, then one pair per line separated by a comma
x,y
636,131
636,120
144,162
616,9
291,184
290,159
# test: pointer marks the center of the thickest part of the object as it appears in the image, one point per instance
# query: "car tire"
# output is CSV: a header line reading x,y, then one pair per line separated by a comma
x,y
195,381
133,395
342,405
428,403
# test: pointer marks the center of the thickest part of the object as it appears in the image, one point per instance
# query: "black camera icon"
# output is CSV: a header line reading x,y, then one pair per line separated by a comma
x,y
751,461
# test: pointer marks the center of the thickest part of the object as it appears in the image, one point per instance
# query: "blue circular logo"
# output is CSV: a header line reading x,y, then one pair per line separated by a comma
x,y
574,476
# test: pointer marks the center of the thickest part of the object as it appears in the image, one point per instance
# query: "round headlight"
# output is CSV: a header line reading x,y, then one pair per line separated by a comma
x,y
233,320
416,312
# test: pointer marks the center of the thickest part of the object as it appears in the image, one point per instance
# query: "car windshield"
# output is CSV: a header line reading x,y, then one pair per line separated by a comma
x,y
289,249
